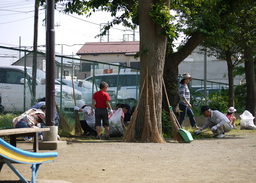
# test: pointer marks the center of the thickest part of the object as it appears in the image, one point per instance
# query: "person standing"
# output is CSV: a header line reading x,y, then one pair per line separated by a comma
x,y
184,104
216,121
100,102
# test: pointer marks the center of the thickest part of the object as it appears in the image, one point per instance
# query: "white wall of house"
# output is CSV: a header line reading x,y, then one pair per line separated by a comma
x,y
111,58
194,64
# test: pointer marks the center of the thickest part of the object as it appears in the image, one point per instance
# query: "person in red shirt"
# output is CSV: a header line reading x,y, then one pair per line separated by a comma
x,y
100,101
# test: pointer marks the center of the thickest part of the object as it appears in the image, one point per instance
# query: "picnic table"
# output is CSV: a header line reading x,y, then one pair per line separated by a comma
x,y
27,132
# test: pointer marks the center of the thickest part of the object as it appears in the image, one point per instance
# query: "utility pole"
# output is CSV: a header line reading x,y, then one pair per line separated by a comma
x,y
50,64
34,68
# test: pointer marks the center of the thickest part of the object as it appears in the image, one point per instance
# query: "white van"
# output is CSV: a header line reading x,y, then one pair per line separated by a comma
x,y
86,88
126,85
14,92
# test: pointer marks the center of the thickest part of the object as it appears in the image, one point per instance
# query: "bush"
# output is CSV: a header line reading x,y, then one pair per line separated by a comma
x,y
6,120
166,124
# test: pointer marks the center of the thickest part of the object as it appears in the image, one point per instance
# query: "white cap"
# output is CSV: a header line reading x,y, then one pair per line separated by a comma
x,y
231,110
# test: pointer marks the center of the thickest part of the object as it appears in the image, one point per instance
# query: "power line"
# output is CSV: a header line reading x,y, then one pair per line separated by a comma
x,y
16,11
16,20
14,5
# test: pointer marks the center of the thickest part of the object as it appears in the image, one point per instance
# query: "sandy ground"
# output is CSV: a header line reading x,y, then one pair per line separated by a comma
x,y
232,159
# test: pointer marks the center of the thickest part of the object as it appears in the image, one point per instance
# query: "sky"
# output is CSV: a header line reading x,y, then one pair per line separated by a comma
x,y
71,31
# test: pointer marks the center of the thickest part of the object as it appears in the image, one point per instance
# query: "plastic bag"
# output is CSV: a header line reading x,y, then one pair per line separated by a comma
x,y
115,124
246,122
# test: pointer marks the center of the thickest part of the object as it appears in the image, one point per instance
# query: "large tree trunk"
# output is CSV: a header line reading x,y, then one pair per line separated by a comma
x,y
250,81
231,101
172,62
170,77
152,54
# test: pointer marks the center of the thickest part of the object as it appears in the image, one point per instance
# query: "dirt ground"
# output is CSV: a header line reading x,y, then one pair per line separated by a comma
x,y
232,159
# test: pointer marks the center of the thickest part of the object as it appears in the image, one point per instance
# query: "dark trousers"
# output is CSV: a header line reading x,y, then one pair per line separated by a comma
x,y
186,110
87,129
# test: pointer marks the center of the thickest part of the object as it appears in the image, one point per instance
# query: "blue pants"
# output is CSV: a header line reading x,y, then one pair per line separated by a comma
x,y
186,110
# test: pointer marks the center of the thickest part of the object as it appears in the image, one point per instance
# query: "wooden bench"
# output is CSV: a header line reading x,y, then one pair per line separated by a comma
x,y
24,132
10,154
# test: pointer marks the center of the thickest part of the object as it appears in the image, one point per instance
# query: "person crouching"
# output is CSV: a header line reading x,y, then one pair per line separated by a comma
x,y
216,121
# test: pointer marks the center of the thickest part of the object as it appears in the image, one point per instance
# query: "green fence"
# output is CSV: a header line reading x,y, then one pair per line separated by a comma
x,y
85,75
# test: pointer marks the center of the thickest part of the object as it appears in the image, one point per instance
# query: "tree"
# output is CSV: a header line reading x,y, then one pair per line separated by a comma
x,y
153,16
235,44
196,23
208,20
152,55
247,43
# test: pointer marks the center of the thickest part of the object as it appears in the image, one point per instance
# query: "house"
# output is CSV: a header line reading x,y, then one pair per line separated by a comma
x,y
122,53
117,53
125,53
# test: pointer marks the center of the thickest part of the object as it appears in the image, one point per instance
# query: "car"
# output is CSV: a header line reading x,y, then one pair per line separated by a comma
x,y
15,89
125,84
86,88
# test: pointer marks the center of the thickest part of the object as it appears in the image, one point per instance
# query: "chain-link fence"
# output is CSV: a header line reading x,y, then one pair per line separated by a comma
x,y
82,75
72,72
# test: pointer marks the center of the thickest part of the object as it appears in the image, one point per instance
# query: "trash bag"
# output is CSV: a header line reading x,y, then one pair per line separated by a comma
x,y
246,122
115,124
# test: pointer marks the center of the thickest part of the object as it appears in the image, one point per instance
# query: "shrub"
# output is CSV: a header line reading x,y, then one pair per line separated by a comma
x,y
166,124
6,120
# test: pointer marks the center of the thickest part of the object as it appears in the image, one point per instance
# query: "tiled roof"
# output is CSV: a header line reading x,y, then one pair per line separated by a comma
x,y
127,48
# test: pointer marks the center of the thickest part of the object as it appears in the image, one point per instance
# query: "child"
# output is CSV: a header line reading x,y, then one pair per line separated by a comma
x,y
100,101
231,116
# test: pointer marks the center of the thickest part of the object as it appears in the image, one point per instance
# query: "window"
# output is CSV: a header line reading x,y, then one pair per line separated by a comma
x,y
135,65
86,67
14,77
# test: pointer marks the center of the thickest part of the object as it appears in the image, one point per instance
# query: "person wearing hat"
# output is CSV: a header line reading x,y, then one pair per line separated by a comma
x,y
231,116
216,121
30,119
184,104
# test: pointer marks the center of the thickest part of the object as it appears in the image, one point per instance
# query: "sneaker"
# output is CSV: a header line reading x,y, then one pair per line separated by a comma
x,y
98,137
220,136
28,138
58,137
196,127
41,137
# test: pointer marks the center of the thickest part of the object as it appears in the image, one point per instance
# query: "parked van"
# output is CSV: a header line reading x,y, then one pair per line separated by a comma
x,y
15,90
86,88
126,85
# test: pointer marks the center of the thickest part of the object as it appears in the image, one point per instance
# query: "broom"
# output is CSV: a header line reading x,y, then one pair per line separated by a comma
x,y
63,125
129,134
147,129
175,126
78,129
156,137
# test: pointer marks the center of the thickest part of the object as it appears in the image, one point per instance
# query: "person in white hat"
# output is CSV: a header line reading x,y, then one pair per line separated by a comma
x,y
184,104
30,119
231,116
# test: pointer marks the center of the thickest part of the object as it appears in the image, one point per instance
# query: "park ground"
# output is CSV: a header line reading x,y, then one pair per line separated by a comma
x,y
85,160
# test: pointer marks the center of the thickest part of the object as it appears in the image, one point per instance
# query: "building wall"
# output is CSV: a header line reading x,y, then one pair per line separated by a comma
x,y
194,64
216,70
111,58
